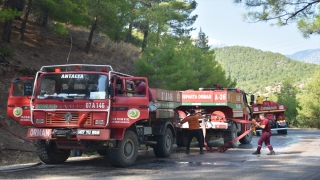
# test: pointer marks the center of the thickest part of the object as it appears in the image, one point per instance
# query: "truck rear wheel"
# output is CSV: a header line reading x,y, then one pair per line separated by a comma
x,y
247,138
126,151
282,131
164,144
50,154
230,134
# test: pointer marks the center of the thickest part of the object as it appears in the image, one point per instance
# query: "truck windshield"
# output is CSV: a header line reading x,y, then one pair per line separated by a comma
x,y
72,86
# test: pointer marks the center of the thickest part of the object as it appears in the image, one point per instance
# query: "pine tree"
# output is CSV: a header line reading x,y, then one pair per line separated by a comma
x,y
310,102
287,96
202,41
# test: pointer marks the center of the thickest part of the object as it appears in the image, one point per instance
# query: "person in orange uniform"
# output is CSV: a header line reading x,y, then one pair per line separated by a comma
x,y
194,130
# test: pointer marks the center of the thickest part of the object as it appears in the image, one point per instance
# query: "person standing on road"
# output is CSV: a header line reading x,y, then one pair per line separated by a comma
x,y
266,134
194,130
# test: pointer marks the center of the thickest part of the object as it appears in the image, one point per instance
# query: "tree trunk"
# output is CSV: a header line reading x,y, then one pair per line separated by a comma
x,y
129,35
43,27
7,31
13,4
24,22
88,46
19,5
145,37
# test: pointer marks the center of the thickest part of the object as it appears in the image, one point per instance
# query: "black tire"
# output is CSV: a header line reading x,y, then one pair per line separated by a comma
x,y
182,138
258,133
164,145
247,138
126,151
282,131
102,152
230,134
50,154
211,135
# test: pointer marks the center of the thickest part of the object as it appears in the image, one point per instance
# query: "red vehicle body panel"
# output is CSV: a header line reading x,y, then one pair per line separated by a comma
x,y
18,105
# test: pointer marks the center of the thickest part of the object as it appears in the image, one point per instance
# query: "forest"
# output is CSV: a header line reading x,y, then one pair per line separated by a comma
x,y
169,56
254,69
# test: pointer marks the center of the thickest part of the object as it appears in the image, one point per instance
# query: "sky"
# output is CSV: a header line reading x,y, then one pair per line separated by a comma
x,y
222,22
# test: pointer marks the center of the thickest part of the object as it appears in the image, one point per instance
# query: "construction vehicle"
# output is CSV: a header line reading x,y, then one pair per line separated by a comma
x,y
226,114
81,106
274,112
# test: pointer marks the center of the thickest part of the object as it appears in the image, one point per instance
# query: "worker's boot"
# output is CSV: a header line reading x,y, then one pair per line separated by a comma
x,y
187,151
271,152
201,152
256,152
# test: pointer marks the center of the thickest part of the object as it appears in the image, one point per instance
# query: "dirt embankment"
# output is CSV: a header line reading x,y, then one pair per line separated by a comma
x,y
29,55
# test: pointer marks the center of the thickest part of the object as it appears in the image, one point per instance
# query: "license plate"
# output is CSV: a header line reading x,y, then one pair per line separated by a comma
x,y
88,132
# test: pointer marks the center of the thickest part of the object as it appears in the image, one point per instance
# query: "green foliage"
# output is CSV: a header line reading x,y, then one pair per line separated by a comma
x,y
7,52
64,11
176,64
202,41
255,69
283,12
287,96
309,26
310,102
9,14
58,28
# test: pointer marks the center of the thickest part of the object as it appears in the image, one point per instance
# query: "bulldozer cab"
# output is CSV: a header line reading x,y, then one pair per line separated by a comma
x,y
18,104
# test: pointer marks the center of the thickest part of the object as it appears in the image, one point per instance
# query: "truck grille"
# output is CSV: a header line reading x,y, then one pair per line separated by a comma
x,y
62,120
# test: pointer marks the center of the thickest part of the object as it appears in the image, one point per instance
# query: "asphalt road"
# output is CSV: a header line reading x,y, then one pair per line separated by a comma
x,y
297,157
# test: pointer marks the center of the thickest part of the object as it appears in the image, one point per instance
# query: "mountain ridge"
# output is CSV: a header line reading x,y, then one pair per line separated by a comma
x,y
309,56
254,69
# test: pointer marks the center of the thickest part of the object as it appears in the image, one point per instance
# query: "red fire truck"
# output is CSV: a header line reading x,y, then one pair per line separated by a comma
x,y
274,112
225,111
82,106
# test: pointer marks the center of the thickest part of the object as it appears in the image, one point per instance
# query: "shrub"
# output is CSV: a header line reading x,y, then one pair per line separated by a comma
x,y
58,29
6,52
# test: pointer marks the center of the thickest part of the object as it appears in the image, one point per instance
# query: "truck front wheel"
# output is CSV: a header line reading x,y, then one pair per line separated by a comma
x,y
230,134
164,144
50,154
126,151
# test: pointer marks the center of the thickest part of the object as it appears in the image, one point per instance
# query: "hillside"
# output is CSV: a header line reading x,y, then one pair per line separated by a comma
x,y
21,58
255,69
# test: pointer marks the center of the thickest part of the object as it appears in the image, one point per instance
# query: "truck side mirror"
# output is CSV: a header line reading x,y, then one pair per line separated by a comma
x,y
251,99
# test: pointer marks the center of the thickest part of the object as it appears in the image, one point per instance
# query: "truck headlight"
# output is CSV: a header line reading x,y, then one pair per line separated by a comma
x,y
99,121
39,121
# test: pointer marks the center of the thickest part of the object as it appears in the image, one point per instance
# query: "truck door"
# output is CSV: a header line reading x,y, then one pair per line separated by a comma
x,y
18,105
127,106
